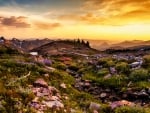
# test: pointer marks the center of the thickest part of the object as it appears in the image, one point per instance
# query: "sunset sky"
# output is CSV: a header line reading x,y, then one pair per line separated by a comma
x,y
89,19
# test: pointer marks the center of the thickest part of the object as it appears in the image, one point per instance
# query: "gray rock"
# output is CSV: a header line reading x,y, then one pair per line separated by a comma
x,y
63,85
87,84
52,104
107,76
148,90
108,90
116,104
95,111
103,95
143,94
113,70
94,106
40,82
73,110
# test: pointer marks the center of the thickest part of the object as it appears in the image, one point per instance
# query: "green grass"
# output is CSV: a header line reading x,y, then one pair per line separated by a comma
x,y
11,70
130,110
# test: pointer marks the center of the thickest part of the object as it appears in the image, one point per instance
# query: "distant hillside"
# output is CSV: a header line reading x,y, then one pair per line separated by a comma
x,y
127,44
106,44
27,45
65,46
140,47
100,44
8,49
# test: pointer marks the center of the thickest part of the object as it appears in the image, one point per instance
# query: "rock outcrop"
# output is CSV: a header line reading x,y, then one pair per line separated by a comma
x,y
46,97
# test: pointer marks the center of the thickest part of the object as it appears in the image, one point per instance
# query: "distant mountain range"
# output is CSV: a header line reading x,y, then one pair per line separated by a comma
x,y
48,44
128,44
51,47
27,45
103,45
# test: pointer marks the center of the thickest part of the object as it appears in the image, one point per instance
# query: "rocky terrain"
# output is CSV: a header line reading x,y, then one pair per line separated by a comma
x,y
71,77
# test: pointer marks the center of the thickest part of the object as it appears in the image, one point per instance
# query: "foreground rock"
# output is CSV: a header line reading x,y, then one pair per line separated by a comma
x,y
116,104
41,83
94,107
46,97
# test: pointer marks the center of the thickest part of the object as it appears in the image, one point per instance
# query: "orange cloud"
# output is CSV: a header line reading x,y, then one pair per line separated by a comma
x,y
93,4
111,12
88,18
122,6
46,25
18,22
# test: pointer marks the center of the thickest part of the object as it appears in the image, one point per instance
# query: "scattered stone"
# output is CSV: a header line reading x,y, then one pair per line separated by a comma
x,y
80,83
38,94
94,106
113,70
46,75
129,84
107,76
63,85
53,89
87,84
114,97
124,95
35,99
53,104
73,110
88,81
58,95
45,97
116,104
135,64
66,98
148,90
108,90
53,98
95,111
50,68
1,106
143,94
40,82
103,95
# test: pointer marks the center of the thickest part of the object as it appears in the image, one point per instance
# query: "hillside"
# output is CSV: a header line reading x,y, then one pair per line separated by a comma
x,y
127,44
27,45
105,44
57,82
65,47
8,49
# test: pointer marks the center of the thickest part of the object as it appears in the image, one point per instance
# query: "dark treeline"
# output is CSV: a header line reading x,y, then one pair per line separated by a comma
x,y
78,42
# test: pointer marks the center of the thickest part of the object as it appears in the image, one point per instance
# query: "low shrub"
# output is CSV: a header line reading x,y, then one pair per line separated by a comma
x,y
139,75
102,72
126,109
